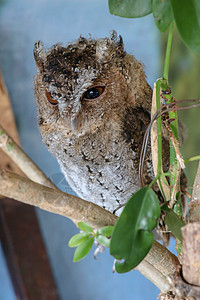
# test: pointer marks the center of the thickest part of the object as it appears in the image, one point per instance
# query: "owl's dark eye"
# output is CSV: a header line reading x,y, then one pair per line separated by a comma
x,y
93,93
50,99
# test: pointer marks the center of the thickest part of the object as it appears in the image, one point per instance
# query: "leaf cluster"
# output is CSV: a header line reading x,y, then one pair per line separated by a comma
x,y
186,15
85,239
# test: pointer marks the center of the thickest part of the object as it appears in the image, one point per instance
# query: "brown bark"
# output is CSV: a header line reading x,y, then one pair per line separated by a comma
x,y
6,118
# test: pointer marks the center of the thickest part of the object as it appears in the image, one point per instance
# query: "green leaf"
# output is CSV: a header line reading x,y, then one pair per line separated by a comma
x,y
103,240
85,227
106,230
77,239
163,14
131,239
178,205
174,224
130,8
83,249
187,17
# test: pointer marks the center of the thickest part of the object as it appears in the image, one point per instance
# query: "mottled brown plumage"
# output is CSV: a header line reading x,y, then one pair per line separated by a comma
x,y
97,141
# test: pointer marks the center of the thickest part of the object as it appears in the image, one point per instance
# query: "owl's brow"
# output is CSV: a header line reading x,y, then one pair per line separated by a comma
x,y
66,86
54,81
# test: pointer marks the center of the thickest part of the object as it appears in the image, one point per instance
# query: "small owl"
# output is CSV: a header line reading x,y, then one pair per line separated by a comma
x,y
93,109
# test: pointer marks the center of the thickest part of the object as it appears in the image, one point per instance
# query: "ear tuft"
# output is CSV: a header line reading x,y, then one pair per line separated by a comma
x,y
110,48
39,55
113,36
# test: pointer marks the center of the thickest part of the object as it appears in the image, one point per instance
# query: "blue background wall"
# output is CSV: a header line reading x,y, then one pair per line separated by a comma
x,y
22,22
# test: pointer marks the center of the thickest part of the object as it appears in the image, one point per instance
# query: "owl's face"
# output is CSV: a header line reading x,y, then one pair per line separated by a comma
x,y
80,86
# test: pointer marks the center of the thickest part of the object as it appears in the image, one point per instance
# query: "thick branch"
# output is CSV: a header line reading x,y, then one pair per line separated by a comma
x,y
55,201
158,261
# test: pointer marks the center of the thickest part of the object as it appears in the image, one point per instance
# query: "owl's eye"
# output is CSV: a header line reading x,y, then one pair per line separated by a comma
x,y
50,99
93,93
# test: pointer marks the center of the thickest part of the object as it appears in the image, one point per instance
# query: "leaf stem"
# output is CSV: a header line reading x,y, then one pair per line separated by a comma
x,y
159,167
192,159
168,51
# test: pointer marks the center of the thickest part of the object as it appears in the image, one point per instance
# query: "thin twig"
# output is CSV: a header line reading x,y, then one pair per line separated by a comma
x,y
21,159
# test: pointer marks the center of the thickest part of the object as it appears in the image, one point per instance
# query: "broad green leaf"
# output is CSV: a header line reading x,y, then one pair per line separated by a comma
x,y
85,227
103,240
187,17
132,237
130,8
77,239
174,224
163,14
83,249
106,230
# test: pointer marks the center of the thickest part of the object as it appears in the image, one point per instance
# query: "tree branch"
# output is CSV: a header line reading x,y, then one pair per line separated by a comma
x,y
158,261
53,200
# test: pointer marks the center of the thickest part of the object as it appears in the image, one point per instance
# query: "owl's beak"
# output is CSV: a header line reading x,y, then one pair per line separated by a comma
x,y
75,118
75,122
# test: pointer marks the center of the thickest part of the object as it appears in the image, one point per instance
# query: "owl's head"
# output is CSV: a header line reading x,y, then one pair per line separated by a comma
x,y
80,86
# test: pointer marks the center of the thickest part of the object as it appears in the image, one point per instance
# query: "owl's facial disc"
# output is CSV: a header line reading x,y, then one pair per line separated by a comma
x,y
91,95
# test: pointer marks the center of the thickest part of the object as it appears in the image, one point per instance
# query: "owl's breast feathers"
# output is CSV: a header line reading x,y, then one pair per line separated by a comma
x,y
102,167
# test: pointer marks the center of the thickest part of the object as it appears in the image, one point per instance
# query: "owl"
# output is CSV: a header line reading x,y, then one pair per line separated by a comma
x,y
94,106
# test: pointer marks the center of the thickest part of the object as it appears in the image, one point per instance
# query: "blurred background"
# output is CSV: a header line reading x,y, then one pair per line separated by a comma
x,y
22,23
